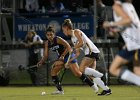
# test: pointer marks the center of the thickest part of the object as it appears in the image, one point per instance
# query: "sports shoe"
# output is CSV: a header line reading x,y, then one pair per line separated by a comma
x,y
105,92
57,92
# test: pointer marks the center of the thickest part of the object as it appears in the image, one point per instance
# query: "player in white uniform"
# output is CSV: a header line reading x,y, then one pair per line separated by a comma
x,y
128,25
81,41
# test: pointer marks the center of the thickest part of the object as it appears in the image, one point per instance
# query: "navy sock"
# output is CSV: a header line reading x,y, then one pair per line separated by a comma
x,y
85,79
57,83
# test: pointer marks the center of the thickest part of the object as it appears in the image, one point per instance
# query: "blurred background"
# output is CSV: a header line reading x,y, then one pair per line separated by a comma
x,y
17,17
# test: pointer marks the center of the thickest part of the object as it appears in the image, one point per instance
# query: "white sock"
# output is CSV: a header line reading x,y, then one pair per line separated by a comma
x,y
100,83
93,72
130,77
95,87
95,84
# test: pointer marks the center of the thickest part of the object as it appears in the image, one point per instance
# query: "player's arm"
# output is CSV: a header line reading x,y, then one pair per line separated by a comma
x,y
37,41
66,45
45,56
25,42
77,53
125,21
80,40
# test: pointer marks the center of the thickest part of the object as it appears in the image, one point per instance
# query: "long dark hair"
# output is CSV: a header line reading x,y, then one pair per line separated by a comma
x,y
50,29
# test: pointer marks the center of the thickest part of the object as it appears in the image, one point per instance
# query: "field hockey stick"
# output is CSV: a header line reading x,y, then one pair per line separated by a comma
x,y
63,74
66,64
65,67
21,68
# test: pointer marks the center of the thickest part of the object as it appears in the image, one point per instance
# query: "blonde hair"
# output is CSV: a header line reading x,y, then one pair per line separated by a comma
x,y
68,23
33,32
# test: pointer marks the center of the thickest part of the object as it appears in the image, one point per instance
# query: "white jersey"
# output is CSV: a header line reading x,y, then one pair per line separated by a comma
x,y
40,50
88,46
131,34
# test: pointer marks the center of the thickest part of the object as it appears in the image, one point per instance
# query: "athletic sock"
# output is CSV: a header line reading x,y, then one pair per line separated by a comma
x,y
93,72
85,79
95,85
130,77
57,83
100,83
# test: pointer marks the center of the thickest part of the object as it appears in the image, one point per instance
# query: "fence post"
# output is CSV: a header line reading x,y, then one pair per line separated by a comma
x,y
0,33
14,9
95,18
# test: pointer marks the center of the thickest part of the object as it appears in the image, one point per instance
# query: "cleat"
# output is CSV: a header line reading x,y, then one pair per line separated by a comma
x,y
57,92
105,92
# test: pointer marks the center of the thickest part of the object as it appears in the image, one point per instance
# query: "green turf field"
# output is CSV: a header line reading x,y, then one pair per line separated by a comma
x,y
71,93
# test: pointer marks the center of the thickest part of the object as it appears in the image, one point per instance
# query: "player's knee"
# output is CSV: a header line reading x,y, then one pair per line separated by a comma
x,y
78,74
82,70
115,71
137,70
54,71
57,63
112,70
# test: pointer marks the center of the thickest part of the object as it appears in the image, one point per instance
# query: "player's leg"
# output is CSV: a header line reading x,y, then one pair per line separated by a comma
x,y
58,65
136,70
99,82
89,71
137,63
86,61
75,69
115,67
125,74
94,67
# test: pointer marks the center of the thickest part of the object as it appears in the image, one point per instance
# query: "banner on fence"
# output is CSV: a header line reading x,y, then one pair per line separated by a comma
x,y
22,25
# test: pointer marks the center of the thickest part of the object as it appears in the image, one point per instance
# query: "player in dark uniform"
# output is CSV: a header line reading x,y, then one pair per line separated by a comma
x,y
63,50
